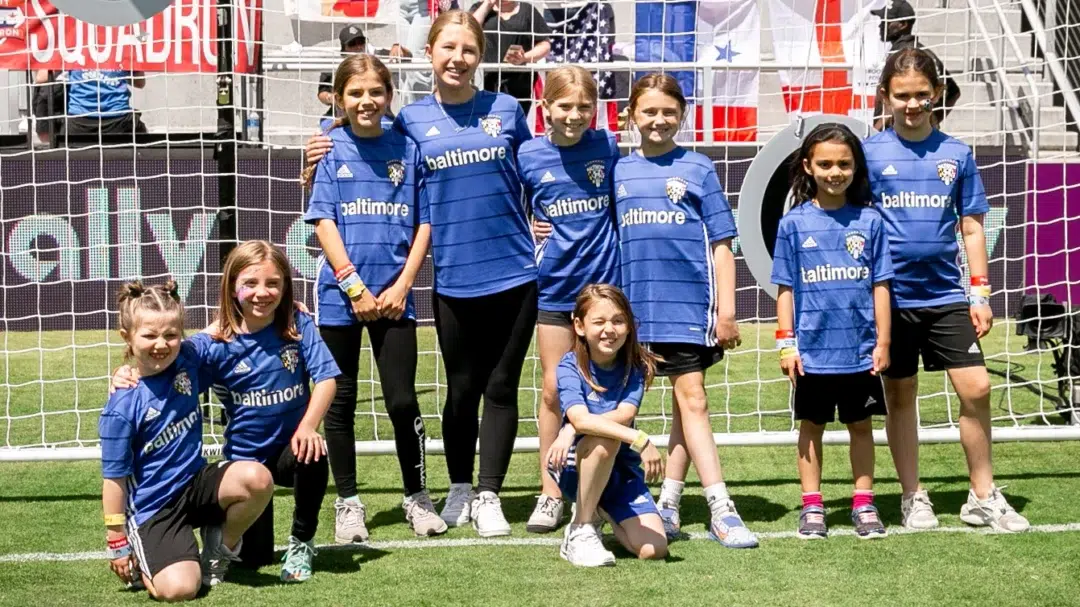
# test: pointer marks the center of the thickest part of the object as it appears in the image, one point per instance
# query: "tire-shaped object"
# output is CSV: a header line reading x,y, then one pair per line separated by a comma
x,y
111,12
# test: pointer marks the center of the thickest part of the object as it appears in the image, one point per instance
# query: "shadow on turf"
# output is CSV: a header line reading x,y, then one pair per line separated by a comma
x,y
330,559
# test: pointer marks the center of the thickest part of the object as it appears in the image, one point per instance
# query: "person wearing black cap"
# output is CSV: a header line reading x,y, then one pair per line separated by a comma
x,y
353,40
897,27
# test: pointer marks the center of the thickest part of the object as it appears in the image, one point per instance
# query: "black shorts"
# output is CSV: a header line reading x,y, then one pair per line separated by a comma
x,y
943,335
169,536
684,358
856,396
557,319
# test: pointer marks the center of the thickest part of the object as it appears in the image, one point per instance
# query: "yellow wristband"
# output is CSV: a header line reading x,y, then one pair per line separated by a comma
x,y
788,352
639,442
112,520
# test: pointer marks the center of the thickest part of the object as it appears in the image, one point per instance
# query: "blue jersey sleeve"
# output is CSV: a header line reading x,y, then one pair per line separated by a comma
x,y
882,261
317,358
412,154
117,431
715,210
324,192
521,129
200,348
571,392
784,263
972,199
635,389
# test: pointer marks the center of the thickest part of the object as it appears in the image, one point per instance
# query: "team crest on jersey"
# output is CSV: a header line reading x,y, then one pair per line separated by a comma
x,y
676,189
946,170
290,358
395,170
595,171
492,125
855,243
182,383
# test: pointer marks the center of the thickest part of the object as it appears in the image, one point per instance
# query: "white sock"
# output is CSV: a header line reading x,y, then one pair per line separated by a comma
x,y
671,491
716,496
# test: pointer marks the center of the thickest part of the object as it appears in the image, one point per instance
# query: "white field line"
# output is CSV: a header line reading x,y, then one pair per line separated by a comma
x,y
30,557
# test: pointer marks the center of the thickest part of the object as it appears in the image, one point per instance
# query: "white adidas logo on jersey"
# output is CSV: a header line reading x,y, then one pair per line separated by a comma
x,y
889,171
151,414
547,178
433,131
809,243
343,172
622,193
974,349
241,368
593,396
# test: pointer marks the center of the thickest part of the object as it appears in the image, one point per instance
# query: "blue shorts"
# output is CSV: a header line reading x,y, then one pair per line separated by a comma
x,y
625,496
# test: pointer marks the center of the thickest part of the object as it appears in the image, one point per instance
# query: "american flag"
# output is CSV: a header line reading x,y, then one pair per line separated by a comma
x,y
584,34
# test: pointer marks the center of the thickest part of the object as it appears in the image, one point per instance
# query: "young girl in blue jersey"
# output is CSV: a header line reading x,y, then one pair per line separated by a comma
x,y
265,355
598,456
157,486
926,185
567,178
831,263
485,273
372,252
675,231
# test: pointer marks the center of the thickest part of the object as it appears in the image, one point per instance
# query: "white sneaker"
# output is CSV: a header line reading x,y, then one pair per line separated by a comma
x,y
349,525
487,515
993,511
420,513
669,515
582,547
456,508
546,516
916,511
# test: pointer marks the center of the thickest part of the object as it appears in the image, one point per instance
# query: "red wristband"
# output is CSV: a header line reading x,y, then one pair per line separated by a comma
x,y
343,272
980,281
117,544
784,333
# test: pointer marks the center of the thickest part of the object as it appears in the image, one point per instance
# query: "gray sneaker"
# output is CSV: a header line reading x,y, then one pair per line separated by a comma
x,y
993,512
812,523
215,558
420,513
349,525
547,516
916,511
458,505
868,523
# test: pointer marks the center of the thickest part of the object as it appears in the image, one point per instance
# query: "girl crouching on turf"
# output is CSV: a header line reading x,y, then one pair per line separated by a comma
x,y
266,354
364,207
567,179
676,228
832,265
598,456
157,487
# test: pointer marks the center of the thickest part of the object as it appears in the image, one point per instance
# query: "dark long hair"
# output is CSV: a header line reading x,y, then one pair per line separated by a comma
x,y
803,186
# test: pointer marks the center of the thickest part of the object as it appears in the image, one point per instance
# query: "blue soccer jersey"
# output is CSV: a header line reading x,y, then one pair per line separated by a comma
x,y
570,187
267,378
618,389
367,187
921,189
831,260
671,209
151,435
98,93
470,192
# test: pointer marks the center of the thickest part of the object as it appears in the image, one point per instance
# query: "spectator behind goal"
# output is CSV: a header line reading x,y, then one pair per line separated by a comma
x,y
99,102
897,27
516,33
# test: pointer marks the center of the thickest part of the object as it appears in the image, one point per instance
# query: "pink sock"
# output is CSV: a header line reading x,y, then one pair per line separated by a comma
x,y
862,498
812,499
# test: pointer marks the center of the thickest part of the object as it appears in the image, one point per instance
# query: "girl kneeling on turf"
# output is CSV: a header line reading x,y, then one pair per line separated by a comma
x,y
598,455
832,266
157,485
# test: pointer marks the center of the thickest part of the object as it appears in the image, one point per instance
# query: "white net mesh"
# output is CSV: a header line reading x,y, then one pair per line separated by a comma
x,y
78,219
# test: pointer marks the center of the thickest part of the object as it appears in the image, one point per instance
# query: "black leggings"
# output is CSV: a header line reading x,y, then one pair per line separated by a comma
x,y
309,487
394,345
484,341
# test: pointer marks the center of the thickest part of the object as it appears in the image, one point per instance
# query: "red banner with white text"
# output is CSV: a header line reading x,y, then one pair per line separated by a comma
x,y
183,38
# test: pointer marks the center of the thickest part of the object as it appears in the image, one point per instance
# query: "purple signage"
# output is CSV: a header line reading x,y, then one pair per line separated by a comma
x,y
1052,255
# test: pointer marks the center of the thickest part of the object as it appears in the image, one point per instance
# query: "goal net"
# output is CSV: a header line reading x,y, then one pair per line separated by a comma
x,y
220,161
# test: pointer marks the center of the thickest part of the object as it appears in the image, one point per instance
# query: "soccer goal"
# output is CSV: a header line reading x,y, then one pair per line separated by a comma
x,y
232,92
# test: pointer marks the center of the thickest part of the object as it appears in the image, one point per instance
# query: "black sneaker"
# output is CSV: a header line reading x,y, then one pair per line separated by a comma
x,y
812,523
867,523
